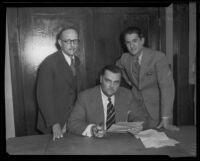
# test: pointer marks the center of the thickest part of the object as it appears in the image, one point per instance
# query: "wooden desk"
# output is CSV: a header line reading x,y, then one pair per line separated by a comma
x,y
111,144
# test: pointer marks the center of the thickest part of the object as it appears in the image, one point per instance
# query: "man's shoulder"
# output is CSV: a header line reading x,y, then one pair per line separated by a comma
x,y
89,92
125,55
50,59
153,52
124,58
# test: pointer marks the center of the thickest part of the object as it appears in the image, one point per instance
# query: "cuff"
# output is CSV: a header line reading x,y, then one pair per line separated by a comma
x,y
87,131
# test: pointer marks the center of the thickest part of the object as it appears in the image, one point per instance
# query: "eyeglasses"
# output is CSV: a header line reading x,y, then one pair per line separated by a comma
x,y
68,41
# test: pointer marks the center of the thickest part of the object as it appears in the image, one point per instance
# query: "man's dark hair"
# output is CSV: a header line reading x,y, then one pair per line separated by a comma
x,y
131,30
113,68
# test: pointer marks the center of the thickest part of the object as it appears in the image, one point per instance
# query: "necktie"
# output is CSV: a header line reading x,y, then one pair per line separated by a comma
x,y
137,63
110,114
72,66
137,67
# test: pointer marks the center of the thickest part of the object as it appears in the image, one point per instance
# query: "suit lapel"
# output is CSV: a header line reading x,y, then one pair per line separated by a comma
x,y
131,62
117,105
145,59
64,68
99,105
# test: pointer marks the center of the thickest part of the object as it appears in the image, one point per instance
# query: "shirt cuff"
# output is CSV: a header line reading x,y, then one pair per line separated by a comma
x,y
87,131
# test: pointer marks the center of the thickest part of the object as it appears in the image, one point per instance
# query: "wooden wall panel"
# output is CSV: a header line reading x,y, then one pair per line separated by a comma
x,y
32,38
182,105
16,68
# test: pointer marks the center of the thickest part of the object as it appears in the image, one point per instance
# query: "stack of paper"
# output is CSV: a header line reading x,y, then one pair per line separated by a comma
x,y
122,127
151,138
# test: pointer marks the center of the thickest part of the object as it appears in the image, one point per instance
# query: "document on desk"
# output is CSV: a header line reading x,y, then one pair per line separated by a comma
x,y
123,127
152,138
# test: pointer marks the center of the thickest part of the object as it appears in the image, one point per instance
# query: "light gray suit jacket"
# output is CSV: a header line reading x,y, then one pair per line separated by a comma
x,y
155,89
89,109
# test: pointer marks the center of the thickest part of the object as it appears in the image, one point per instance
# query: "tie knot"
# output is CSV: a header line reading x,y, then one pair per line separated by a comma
x,y
136,58
109,99
72,60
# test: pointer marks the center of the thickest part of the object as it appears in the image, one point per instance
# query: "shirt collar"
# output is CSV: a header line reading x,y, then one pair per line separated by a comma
x,y
68,58
140,57
106,97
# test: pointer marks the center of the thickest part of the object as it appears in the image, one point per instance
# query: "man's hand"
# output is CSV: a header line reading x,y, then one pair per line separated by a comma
x,y
97,131
57,131
166,124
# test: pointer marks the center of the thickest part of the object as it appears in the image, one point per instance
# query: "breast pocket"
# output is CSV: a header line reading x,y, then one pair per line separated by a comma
x,y
150,77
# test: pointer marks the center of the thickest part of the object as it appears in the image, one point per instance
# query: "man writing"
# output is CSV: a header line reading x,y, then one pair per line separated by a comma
x,y
96,109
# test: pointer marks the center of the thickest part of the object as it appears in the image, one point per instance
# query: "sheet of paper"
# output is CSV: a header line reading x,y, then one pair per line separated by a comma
x,y
152,138
118,128
154,143
131,124
124,126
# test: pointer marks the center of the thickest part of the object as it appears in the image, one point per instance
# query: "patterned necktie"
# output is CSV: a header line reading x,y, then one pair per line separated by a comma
x,y
72,66
137,66
110,114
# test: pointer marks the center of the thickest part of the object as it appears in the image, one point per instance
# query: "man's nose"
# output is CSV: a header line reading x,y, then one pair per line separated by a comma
x,y
112,85
132,45
71,43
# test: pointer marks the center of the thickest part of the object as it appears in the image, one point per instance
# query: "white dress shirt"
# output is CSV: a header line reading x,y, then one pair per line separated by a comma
x,y
140,58
67,58
87,131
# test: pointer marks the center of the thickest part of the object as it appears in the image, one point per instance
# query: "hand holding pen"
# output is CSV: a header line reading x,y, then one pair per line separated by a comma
x,y
98,130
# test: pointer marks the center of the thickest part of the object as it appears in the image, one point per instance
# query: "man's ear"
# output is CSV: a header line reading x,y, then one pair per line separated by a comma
x,y
59,42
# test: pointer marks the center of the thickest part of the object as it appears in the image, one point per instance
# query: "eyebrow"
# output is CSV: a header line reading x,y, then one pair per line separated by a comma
x,y
111,80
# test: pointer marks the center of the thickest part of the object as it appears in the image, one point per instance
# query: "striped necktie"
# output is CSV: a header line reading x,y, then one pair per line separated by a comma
x,y
110,114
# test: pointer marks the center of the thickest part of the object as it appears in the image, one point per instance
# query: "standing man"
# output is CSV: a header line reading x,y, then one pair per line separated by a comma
x,y
147,72
57,84
97,108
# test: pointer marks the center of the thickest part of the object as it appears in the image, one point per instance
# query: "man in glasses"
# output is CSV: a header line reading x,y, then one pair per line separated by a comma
x,y
57,84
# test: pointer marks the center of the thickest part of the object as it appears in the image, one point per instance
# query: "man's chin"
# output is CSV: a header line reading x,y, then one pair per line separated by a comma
x,y
110,94
133,53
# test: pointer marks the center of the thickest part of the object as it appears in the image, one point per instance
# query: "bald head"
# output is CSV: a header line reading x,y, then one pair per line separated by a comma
x,y
68,32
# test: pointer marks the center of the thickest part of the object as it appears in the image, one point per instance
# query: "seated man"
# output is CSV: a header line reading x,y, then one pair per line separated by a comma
x,y
96,109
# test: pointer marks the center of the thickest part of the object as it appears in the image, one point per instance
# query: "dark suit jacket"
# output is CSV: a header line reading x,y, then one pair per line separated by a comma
x,y
56,91
156,86
89,109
